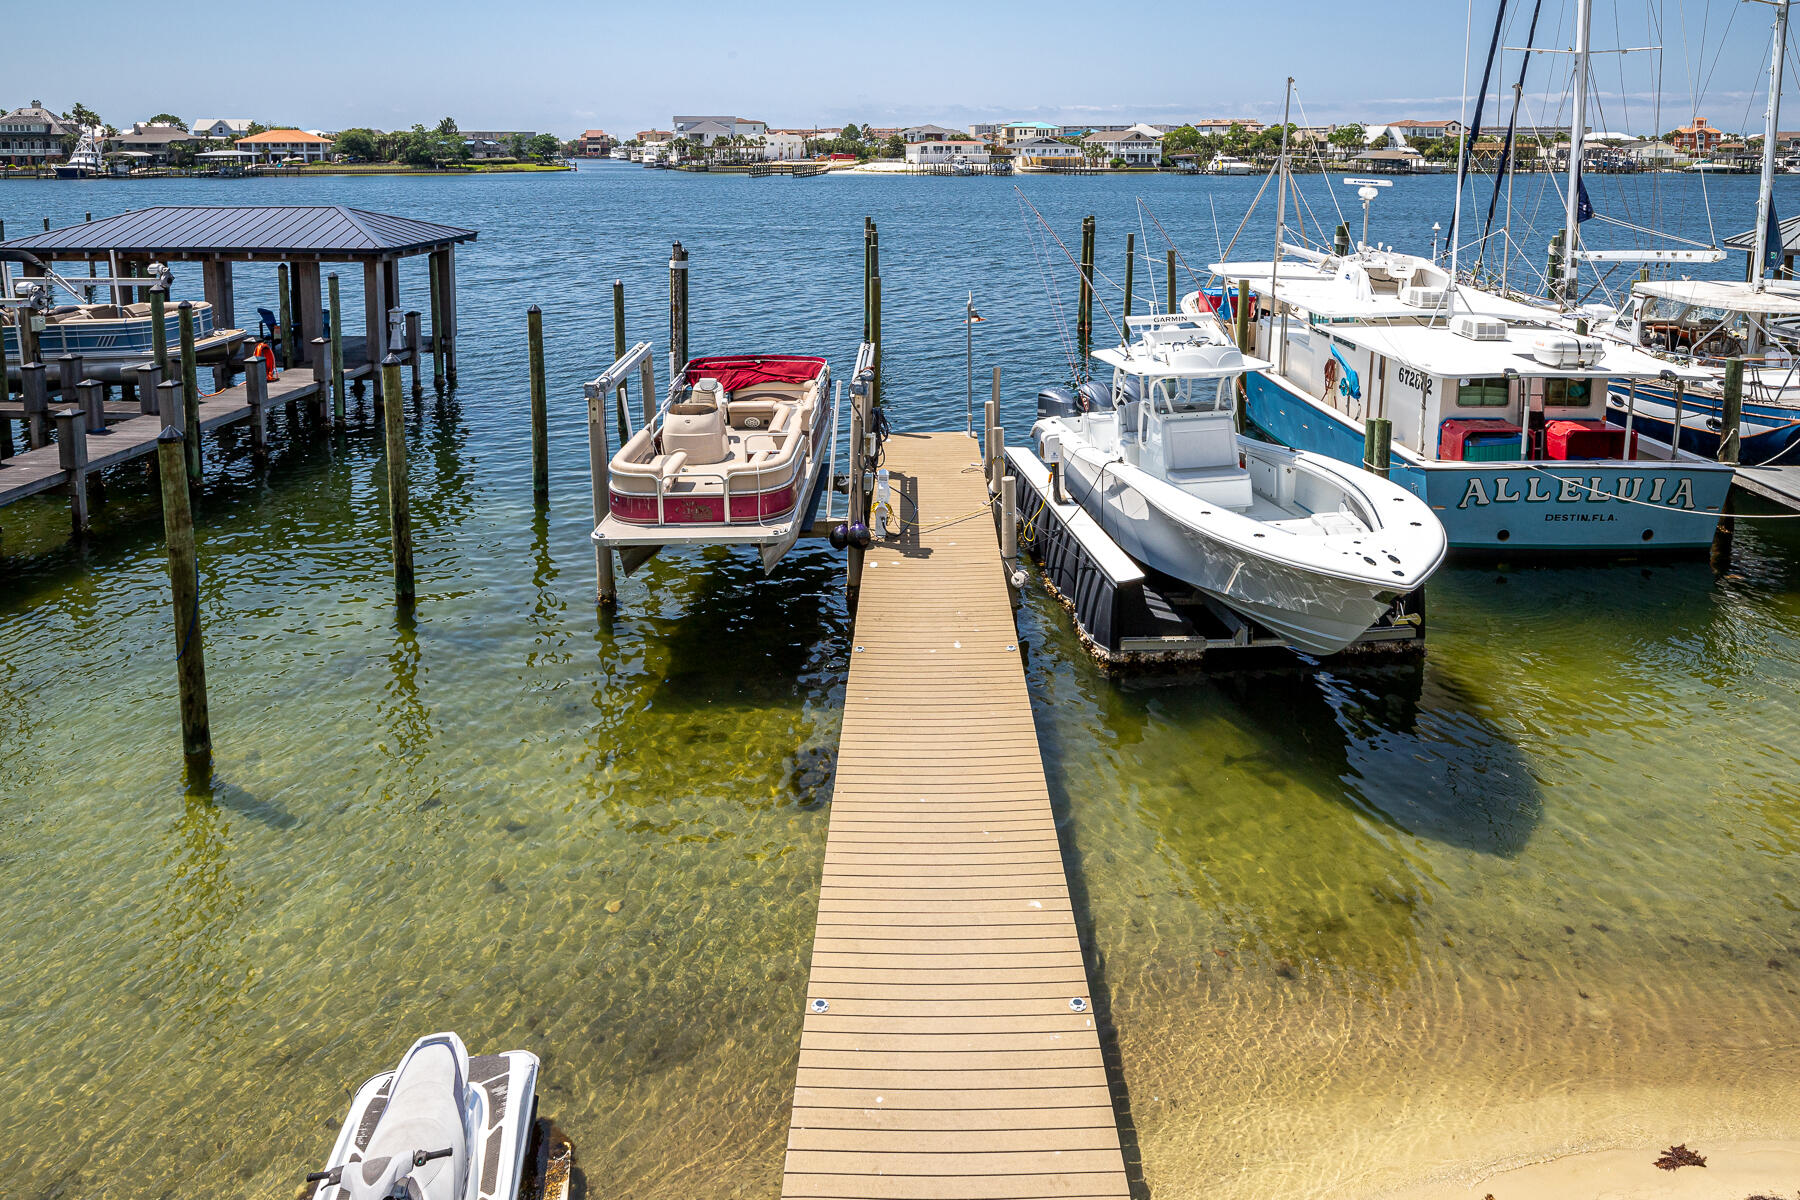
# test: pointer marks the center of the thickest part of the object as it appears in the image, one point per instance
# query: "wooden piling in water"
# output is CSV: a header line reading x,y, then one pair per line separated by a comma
x,y
414,349
190,391
618,398
540,443
399,508
321,373
71,452
1173,299
256,391
159,329
337,352
169,409
606,591
184,589
1731,416
1130,269
1378,439
437,322
678,312
285,335
1084,306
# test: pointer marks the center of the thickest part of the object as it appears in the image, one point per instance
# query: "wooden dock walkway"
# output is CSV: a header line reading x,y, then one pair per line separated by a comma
x,y
948,1047
43,469
1778,484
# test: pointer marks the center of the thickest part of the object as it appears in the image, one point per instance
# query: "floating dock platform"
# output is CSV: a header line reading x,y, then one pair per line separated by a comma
x,y
1778,485
948,1046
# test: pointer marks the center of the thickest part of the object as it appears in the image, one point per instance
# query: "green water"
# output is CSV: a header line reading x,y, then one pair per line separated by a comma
x,y
1349,929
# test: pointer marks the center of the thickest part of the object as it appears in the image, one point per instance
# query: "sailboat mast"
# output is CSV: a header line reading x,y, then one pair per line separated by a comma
x,y
1584,14
1281,179
1765,197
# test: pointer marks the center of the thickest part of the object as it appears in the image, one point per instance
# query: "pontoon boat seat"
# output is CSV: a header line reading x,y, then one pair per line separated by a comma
x,y
696,425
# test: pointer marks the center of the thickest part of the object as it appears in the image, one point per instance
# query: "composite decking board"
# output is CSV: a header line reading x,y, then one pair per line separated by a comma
x,y
949,1062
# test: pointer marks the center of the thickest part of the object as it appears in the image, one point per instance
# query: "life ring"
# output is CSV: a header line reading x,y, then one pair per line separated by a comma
x,y
263,352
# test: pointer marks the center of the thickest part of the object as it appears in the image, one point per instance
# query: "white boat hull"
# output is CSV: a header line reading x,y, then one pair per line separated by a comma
x,y
1315,610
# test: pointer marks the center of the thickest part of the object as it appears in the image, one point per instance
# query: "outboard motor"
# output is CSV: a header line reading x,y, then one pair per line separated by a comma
x,y
1096,396
1057,401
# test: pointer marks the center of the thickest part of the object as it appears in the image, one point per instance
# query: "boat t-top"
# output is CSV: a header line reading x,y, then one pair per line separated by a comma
x,y
735,457
1307,547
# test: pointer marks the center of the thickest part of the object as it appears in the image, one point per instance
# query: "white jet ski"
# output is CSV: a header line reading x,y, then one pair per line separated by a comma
x,y
1304,545
442,1126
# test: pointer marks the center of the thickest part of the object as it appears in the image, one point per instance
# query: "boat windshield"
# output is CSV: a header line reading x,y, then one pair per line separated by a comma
x,y
1176,394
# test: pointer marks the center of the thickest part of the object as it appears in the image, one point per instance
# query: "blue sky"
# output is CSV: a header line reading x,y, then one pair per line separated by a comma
x,y
564,65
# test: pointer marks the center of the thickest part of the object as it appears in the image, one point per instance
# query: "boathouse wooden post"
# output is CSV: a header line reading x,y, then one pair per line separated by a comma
x,y
71,455
337,352
321,373
93,405
184,590
168,406
68,378
433,272
256,391
452,326
1173,305
1130,269
36,392
678,312
619,393
284,336
374,313
540,438
190,389
1730,418
399,508
415,345
1084,305
606,592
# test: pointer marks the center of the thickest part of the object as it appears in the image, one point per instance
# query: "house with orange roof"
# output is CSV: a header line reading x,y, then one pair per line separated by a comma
x,y
1698,138
595,142
273,145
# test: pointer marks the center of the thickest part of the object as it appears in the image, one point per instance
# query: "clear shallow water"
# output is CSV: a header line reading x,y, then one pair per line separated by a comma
x,y
1354,928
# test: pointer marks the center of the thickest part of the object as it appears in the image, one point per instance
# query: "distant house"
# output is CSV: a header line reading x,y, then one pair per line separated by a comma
x,y
274,145
1402,160
786,145
156,141
1655,154
929,133
493,143
989,132
1224,124
1699,138
1426,130
221,128
946,150
1135,147
32,135
1788,142
704,131
595,142
1046,152
1015,132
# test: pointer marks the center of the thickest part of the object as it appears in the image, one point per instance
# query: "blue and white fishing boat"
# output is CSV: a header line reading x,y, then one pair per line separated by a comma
x,y
85,162
1498,415
109,337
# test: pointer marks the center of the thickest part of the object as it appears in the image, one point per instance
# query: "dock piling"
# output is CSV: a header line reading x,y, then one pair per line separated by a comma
x,y
623,415
1378,438
996,459
284,336
190,390
1084,307
321,372
36,392
159,329
606,592
184,588
678,312
93,405
337,352
71,451
399,510
256,391
414,345
169,408
1130,269
1730,419
540,445
1009,519
69,376
437,323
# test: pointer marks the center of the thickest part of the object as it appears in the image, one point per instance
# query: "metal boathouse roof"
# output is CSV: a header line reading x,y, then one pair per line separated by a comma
x,y
264,230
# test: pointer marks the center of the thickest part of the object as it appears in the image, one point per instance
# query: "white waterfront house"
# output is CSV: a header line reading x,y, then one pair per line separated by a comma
x,y
1133,145
934,153
223,129
276,145
784,145
929,133
1046,152
1014,132
704,131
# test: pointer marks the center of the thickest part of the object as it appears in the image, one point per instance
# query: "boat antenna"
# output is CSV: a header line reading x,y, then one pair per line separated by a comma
x,y
1571,264
1471,130
1765,196
1504,169
1281,169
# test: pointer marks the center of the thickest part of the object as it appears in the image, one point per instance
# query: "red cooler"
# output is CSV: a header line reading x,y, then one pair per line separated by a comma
x,y
1585,439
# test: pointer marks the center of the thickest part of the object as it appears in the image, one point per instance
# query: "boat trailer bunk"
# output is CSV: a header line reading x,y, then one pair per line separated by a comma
x,y
1130,615
638,542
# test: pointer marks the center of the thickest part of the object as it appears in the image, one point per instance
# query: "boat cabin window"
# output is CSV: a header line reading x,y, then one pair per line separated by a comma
x,y
1176,396
1482,393
1568,393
